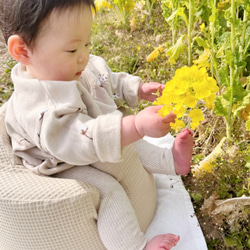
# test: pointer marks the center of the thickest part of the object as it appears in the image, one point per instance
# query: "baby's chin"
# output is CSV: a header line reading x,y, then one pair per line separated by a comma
x,y
76,78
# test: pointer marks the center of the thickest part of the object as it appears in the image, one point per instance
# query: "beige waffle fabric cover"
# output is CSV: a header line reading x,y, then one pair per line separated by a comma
x,y
38,212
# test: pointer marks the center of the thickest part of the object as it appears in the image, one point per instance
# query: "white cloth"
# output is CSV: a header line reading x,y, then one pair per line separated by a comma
x,y
175,213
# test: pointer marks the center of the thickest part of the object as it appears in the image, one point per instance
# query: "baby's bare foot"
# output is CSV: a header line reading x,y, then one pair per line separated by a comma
x,y
163,241
182,151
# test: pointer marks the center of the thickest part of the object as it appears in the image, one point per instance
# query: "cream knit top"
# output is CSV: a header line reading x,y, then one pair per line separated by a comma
x,y
55,125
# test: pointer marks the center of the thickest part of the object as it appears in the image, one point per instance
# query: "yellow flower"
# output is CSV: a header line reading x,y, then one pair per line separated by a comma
x,y
212,85
196,116
165,110
179,111
190,100
202,27
169,87
221,5
210,101
181,88
203,60
202,90
99,4
155,53
183,92
248,125
178,125
244,113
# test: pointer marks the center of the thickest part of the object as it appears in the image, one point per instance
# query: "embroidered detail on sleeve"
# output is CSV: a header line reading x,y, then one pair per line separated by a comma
x,y
101,80
83,130
115,96
41,114
79,110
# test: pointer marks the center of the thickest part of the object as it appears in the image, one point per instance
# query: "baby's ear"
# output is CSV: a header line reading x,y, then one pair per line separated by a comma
x,y
18,49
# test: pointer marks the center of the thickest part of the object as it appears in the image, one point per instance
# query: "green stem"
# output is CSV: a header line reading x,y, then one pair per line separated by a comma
x,y
212,42
190,28
174,24
243,37
232,71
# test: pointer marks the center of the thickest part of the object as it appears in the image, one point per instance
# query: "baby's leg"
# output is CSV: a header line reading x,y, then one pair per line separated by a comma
x,y
163,241
117,223
172,161
182,151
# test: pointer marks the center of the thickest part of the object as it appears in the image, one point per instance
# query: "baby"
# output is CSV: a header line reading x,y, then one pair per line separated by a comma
x,y
62,114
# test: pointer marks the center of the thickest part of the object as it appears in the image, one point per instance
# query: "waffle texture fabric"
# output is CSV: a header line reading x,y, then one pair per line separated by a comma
x,y
39,212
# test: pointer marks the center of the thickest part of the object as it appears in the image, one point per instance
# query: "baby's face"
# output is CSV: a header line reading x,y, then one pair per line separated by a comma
x,y
61,50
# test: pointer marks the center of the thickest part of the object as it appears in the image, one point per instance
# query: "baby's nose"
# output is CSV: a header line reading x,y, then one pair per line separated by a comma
x,y
81,59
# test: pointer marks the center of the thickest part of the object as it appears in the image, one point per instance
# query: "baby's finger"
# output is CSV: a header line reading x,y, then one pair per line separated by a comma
x,y
169,118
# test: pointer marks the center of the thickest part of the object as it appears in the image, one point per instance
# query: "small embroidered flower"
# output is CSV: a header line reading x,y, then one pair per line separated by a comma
x,y
115,96
79,110
83,130
101,80
41,114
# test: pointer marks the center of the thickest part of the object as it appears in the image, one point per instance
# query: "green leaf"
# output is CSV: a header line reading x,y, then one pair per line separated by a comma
x,y
181,12
174,52
219,108
248,242
196,197
224,40
246,5
248,125
223,76
244,103
233,241
171,19
227,94
220,52
239,92
201,42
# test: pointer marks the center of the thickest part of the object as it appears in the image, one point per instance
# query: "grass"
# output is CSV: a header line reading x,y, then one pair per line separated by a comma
x,y
126,50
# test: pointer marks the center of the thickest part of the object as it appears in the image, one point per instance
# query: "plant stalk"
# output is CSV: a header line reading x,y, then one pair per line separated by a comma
x,y
212,42
190,28
174,23
243,37
232,71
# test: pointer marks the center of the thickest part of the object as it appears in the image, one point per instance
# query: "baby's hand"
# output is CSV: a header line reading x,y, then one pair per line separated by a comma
x,y
147,91
148,122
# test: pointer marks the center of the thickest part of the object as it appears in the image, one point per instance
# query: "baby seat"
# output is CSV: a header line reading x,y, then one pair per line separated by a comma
x,y
39,212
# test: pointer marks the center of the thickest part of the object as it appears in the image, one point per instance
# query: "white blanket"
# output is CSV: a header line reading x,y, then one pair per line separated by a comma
x,y
175,212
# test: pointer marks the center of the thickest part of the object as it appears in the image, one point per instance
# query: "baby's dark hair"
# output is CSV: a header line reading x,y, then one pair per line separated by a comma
x,y
24,17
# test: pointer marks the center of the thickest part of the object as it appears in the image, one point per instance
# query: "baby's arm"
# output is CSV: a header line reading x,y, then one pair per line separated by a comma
x,y
147,122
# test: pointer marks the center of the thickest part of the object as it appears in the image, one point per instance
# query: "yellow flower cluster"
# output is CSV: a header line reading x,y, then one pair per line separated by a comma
x,y
155,53
99,4
182,94
203,60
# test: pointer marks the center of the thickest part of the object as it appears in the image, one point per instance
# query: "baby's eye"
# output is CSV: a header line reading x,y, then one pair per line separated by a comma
x,y
87,44
72,51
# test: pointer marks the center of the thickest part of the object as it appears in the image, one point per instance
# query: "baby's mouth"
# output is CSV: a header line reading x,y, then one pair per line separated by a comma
x,y
79,73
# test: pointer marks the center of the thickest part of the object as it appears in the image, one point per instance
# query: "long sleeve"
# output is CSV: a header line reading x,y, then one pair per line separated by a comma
x,y
62,124
74,137
121,85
